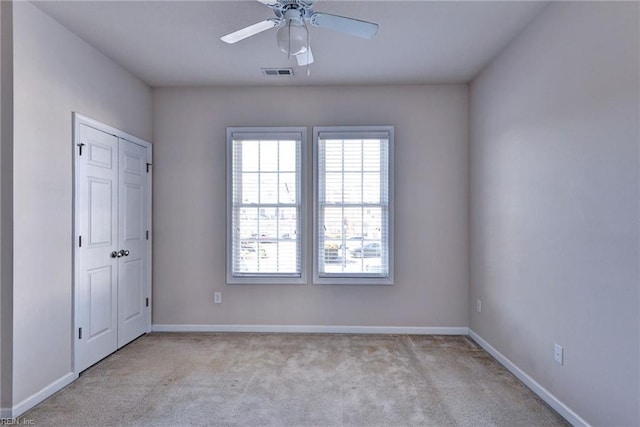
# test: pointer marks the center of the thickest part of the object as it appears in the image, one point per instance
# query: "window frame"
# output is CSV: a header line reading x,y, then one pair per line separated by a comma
x,y
351,278
268,278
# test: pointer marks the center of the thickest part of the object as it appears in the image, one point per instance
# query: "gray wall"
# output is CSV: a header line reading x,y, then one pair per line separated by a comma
x,y
55,74
431,184
6,204
554,207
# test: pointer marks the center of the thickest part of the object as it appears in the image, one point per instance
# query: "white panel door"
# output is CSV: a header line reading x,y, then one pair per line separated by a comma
x,y
97,222
132,269
112,256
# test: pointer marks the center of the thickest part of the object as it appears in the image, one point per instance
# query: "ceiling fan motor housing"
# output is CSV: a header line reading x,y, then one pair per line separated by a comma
x,y
303,9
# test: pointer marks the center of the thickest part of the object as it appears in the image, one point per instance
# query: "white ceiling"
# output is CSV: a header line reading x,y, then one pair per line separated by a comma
x,y
177,43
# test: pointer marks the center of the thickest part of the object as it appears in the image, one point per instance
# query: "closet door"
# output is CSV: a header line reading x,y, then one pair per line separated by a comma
x,y
132,269
112,255
96,260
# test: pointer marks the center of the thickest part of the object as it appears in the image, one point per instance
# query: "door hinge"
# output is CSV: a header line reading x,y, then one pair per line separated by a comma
x,y
79,333
81,145
149,164
80,241
147,302
147,234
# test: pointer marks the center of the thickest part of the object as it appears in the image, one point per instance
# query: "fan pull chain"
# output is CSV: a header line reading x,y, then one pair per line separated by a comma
x,y
289,39
308,47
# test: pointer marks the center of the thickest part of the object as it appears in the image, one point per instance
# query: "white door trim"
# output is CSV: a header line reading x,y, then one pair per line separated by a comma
x,y
78,120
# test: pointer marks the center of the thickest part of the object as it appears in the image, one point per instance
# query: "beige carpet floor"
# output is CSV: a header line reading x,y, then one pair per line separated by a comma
x,y
296,380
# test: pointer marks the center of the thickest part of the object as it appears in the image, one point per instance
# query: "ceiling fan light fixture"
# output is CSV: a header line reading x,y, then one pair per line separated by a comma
x,y
292,37
292,17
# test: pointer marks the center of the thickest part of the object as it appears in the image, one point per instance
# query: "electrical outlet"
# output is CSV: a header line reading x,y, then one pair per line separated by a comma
x,y
558,354
479,305
217,297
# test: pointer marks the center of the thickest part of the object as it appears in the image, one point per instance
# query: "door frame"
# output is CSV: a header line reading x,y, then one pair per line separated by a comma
x,y
78,120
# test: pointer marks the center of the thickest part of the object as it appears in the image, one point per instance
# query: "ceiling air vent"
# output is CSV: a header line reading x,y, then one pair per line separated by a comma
x,y
277,71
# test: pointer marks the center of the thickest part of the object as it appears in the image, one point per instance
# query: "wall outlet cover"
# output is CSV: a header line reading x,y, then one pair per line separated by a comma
x,y
558,354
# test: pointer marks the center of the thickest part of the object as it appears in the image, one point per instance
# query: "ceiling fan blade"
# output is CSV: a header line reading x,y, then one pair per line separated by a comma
x,y
270,3
274,3
305,58
355,27
251,30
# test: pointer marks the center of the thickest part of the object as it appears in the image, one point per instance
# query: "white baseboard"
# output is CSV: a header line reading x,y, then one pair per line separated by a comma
x,y
38,397
5,413
542,392
397,330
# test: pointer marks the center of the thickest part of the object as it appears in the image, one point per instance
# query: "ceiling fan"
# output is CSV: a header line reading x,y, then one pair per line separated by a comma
x,y
293,36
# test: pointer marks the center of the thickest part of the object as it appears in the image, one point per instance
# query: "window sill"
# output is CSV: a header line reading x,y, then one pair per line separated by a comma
x,y
359,281
266,281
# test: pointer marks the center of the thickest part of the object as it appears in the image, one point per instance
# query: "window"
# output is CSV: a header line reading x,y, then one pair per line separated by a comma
x,y
353,208
265,243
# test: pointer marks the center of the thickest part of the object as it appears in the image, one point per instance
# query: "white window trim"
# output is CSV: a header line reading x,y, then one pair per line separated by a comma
x,y
268,279
362,279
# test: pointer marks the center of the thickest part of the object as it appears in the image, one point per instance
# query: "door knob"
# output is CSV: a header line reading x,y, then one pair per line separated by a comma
x,y
120,253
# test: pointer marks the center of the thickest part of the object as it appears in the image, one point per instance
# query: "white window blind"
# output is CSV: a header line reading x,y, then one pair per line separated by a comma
x,y
353,204
265,168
